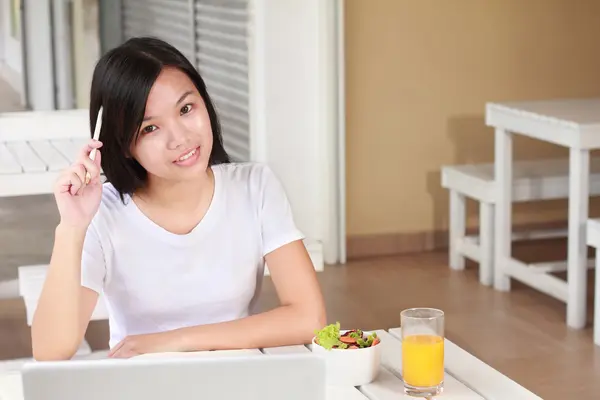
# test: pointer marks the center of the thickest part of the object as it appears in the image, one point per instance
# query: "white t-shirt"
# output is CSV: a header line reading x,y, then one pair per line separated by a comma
x,y
154,280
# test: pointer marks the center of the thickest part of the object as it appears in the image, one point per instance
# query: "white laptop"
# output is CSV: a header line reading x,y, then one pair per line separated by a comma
x,y
248,377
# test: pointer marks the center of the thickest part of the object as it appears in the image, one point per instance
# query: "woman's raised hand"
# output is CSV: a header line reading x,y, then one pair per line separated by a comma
x,y
78,200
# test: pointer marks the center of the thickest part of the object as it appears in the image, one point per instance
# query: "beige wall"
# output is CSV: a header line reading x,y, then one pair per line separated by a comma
x,y
418,75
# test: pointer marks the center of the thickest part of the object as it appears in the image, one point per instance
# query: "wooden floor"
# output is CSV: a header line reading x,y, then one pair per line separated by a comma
x,y
521,333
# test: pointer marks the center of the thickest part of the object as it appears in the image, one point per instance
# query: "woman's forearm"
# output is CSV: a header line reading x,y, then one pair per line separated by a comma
x,y
55,328
282,326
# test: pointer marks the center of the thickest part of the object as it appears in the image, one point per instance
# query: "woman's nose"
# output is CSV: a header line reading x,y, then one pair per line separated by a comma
x,y
179,136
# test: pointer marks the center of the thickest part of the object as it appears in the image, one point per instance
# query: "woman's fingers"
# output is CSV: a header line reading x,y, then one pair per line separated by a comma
x,y
79,171
92,166
69,182
94,182
116,348
87,149
85,171
98,159
92,170
98,164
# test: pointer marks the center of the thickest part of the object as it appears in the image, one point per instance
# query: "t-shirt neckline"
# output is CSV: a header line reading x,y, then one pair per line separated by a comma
x,y
209,219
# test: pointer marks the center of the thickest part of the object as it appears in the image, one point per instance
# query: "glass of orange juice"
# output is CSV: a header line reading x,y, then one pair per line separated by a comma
x,y
422,351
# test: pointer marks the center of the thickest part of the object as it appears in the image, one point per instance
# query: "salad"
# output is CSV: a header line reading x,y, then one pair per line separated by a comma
x,y
330,338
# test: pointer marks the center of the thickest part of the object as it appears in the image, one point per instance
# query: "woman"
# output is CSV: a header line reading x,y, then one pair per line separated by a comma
x,y
178,236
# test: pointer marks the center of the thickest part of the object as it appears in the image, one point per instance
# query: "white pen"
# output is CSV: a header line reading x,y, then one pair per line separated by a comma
x,y
96,137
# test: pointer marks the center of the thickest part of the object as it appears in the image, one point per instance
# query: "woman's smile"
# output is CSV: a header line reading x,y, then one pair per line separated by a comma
x,y
188,158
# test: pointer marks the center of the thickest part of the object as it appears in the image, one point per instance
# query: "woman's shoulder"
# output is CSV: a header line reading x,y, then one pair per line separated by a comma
x,y
111,199
111,205
254,181
110,210
245,173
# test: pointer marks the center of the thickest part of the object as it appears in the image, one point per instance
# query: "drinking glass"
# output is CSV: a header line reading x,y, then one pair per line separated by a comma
x,y
422,351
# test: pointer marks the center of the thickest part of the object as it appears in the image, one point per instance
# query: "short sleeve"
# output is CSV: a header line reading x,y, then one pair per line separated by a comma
x,y
278,227
93,266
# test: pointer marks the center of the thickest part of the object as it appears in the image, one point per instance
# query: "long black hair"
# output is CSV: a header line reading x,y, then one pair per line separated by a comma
x,y
121,84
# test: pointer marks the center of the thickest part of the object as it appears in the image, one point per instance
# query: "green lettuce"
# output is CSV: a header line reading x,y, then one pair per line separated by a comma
x,y
329,336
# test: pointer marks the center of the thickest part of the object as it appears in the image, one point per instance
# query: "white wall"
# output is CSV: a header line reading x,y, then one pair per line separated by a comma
x,y
39,62
11,66
293,108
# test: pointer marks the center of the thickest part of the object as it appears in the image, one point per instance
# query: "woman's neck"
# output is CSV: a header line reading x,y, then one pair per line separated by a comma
x,y
182,195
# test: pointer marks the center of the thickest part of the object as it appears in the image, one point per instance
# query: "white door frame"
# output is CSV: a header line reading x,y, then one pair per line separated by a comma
x,y
296,53
341,129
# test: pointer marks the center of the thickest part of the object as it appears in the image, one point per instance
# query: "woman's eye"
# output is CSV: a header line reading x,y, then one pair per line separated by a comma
x,y
149,128
186,109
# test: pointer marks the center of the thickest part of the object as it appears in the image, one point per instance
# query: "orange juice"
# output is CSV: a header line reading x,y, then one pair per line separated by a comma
x,y
423,360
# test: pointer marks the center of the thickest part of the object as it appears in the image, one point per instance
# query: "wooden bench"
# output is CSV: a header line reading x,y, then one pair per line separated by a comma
x,y
533,181
36,146
593,240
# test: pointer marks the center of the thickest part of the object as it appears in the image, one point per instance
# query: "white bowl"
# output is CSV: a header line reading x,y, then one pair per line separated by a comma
x,y
350,367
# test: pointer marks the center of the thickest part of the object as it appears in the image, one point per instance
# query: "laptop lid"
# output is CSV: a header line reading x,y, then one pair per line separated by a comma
x,y
262,377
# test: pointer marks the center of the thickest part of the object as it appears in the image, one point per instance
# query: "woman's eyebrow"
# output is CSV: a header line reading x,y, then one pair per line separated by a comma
x,y
186,94
183,96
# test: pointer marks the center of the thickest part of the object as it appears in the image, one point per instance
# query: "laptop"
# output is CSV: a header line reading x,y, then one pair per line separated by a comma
x,y
248,377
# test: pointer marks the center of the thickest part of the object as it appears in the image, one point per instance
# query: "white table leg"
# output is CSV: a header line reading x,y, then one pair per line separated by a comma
x,y
458,219
579,177
503,224
486,243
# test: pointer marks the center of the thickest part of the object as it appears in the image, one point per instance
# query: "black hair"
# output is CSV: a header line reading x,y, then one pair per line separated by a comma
x,y
121,84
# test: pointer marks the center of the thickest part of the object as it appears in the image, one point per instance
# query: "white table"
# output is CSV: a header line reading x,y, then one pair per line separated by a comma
x,y
466,376
36,146
571,123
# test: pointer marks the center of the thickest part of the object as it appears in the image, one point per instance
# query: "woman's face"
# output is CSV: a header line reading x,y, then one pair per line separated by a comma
x,y
175,138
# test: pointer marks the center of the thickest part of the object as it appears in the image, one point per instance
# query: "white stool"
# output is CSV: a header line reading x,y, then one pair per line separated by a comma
x,y
533,180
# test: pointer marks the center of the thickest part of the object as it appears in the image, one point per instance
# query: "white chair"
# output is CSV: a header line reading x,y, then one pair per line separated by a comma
x,y
533,180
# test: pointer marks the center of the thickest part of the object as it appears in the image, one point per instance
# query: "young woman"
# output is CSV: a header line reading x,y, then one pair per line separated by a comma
x,y
177,238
